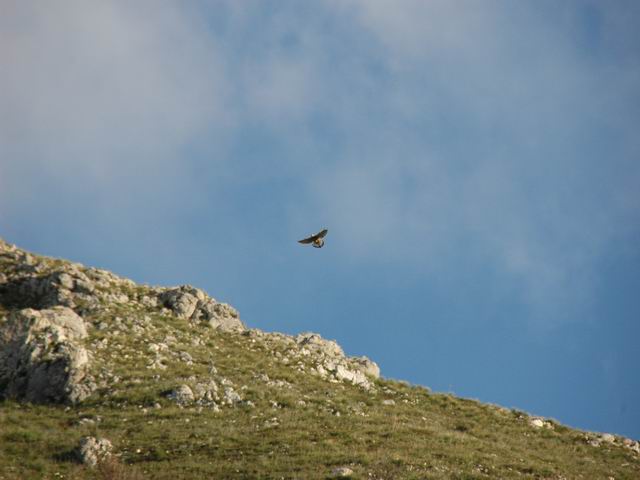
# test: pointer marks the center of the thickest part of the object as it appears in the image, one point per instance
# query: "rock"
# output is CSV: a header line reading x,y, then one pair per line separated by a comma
x,y
389,402
186,358
148,301
93,450
340,370
195,305
182,395
206,393
536,422
366,366
68,286
272,422
355,377
316,343
42,359
220,316
182,301
341,472
631,444
607,438
231,397
333,364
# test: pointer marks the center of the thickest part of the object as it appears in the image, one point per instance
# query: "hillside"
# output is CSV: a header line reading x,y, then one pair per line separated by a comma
x,y
104,378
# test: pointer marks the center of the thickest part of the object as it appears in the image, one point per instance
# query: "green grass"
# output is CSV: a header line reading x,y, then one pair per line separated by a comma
x,y
390,442
423,436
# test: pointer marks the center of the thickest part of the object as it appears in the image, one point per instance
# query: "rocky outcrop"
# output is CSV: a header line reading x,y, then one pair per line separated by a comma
x,y
332,363
92,450
604,439
341,472
67,286
42,358
537,422
195,305
182,395
212,393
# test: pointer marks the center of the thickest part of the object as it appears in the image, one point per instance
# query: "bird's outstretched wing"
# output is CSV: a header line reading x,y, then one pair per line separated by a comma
x,y
312,238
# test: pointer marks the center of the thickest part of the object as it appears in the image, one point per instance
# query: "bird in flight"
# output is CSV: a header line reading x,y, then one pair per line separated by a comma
x,y
315,240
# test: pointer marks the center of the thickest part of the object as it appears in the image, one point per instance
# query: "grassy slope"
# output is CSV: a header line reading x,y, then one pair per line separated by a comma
x,y
424,435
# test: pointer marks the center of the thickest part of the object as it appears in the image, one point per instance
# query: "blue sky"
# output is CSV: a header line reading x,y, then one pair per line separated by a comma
x,y
476,164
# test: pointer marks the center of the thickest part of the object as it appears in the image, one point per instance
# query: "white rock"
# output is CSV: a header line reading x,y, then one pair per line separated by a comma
x,y
182,395
93,450
608,438
194,304
536,422
231,397
314,342
341,472
41,359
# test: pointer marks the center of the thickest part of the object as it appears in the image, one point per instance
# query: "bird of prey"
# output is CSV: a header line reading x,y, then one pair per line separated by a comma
x,y
315,240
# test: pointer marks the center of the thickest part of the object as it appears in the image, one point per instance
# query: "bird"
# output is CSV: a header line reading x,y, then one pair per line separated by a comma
x,y
315,240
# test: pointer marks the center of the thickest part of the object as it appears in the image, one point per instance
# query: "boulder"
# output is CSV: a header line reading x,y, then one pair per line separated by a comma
x,y
231,397
315,343
68,286
608,438
42,359
536,422
221,316
182,301
333,363
366,366
341,472
195,305
182,395
93,450
206,392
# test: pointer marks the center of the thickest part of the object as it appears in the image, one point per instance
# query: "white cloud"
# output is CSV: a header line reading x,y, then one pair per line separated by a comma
x,y
449,126
104,92
520,184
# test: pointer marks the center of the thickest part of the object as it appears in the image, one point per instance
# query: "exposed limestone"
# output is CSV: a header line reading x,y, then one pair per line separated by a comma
x,y
38,282
537,422
333,364
195,305
207,394
317,344
182,395
366,366
42,358
632,445
93,450
68,287
231,397
341,472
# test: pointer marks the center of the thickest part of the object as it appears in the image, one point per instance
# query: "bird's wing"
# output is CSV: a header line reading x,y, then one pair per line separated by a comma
x,y
312,238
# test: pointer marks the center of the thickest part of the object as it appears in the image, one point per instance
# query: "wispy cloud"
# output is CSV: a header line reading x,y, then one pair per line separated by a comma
x,y
439,132
496,132
99,95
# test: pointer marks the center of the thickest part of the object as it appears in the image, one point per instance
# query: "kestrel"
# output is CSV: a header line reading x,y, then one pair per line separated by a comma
x,y
315,240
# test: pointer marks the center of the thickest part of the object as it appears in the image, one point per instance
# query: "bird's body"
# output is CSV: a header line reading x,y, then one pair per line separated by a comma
x,y
317,240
